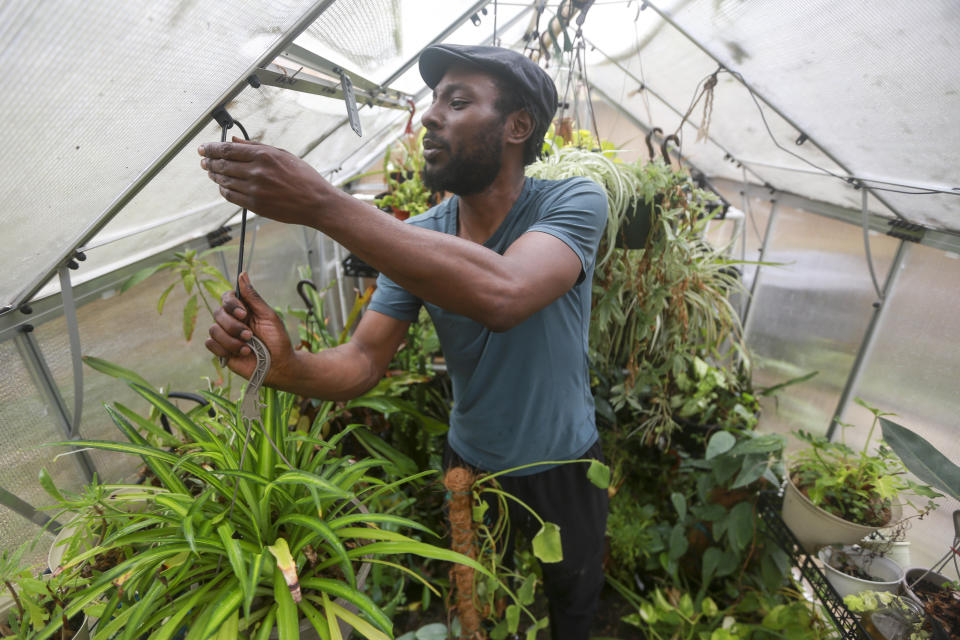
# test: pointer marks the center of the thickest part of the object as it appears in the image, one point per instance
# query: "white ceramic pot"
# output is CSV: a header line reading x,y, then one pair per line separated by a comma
x,y
887,574
814,527
130,499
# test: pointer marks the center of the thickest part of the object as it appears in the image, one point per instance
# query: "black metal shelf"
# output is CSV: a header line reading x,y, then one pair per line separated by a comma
x,y
847,624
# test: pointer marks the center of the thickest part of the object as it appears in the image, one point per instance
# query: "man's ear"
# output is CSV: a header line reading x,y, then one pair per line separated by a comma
x,y
519,127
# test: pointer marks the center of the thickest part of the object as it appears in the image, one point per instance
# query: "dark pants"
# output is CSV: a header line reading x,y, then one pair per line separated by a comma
x,y
565,496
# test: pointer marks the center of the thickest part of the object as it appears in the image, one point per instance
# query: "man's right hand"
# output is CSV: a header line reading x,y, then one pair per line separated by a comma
x,y
236,321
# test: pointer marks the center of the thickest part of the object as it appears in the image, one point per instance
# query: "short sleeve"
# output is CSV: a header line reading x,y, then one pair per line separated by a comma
x,y
393,300
577,215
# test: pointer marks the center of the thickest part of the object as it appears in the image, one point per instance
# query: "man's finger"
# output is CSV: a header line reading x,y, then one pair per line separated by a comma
x,y
239,150
237,198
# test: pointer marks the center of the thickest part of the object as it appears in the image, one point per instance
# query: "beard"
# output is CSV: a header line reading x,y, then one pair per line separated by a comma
x,y
472,169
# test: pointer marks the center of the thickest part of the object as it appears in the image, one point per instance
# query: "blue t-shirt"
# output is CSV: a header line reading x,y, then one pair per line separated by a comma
x,y
523,395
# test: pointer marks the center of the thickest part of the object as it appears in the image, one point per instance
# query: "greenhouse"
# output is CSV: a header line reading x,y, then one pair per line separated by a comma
x,y
580,319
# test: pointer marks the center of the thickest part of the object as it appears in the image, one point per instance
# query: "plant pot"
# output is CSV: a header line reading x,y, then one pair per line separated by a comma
x,y
814,527
908,584
59,546
886,573
635,226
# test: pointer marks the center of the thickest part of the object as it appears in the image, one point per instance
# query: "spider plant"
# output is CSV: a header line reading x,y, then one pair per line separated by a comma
x,y
253,528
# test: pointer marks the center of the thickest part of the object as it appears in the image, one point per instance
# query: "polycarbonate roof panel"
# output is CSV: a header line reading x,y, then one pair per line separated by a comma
x,y
877,85
96,91
631,49
375,37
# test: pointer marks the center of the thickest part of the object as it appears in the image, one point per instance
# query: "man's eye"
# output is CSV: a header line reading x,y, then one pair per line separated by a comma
x,y
458,104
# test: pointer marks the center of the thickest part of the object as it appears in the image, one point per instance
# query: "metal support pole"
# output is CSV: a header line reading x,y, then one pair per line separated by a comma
x,y
869,337
761,252
37,365
25,509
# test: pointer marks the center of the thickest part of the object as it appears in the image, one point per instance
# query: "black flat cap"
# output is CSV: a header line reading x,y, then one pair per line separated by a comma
x,y
524,73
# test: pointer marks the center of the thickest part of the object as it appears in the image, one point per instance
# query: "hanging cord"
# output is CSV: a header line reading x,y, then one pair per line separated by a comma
x,y
704,87
250,406
73,329
848,179
866,239
495,41
581,52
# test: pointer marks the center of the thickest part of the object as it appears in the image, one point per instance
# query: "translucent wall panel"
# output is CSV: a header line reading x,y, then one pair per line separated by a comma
x,y
111,89
126,329
26,422
810,313
912,371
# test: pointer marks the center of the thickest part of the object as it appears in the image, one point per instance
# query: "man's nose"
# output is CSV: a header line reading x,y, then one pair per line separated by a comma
x,y
430,119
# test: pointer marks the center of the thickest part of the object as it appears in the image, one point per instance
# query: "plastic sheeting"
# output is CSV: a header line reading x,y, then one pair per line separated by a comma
x,y
875,86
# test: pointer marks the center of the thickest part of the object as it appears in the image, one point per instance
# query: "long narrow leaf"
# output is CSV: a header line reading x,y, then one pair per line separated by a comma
x,y
322,529
358,598
287,619
227,602
115,371
359,625
179,418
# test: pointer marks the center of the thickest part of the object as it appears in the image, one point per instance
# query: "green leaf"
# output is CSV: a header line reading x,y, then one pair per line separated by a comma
x,y
190,317
740,525
922,459
359,625
720,442
379,447
546,544
678,541
362,601
235,556
599,474
226,604
163,297
751,472
680,504
541,624
525,593
288,623
141,275
711,560
513,618
766,443
48,485
115,371
230,629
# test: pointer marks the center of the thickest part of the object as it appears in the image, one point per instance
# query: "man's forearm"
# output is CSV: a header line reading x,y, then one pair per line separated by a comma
x,y
339,373
459,275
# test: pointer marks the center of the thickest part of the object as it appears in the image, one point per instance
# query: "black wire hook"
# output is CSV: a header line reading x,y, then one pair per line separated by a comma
x,y
649,136
303,294
663,148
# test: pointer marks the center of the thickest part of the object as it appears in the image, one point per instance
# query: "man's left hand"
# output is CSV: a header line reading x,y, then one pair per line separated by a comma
x,y
268,181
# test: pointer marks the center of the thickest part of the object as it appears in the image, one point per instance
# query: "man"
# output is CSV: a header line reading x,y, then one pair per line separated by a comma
x,y
504,268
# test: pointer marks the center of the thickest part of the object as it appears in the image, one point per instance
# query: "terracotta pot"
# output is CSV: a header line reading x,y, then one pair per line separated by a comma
x,y
814,527
886,572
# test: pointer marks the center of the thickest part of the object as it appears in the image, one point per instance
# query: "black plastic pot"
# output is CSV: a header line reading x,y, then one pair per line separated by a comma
x,y
635,228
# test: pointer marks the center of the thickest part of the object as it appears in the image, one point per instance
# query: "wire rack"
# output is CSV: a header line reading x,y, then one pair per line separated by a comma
x,y
848,624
